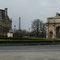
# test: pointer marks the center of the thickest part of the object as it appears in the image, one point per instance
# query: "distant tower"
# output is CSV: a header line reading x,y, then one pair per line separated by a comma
x,y
19,23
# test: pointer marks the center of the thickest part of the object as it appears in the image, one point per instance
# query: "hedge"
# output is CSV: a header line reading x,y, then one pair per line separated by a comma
x,y
26,39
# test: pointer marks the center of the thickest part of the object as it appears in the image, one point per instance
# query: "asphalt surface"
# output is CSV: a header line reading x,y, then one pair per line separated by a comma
x,y
42,52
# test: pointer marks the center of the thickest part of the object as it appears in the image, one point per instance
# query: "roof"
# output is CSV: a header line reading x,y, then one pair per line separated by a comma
x,y
56,17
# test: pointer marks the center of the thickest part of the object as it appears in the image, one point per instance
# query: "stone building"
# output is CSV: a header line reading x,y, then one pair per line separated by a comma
x,y
5,23
53,27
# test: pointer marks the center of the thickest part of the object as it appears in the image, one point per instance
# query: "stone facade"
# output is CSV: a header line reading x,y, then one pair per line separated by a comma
x,y
53,27
5,23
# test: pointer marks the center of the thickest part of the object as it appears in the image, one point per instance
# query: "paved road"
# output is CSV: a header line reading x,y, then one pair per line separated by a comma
x,y
31,48
46,52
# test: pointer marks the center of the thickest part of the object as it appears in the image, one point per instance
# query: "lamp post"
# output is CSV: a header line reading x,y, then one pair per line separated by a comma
x,y
14,28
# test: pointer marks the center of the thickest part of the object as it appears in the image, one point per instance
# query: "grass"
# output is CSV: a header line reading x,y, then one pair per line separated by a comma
x,y
27,39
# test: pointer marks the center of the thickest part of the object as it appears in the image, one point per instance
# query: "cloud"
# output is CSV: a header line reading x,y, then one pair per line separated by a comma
x,y
29,10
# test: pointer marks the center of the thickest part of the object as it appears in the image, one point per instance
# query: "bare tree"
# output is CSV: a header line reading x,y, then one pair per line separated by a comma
x,y
37,27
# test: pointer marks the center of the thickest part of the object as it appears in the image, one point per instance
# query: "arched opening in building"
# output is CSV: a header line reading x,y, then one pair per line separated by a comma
x,y
58,32
51,34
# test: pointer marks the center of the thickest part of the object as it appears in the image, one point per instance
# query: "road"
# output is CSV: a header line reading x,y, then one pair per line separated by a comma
x,y
47,52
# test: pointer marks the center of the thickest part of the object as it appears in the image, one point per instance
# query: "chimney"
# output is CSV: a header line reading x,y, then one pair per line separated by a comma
x,y
5,12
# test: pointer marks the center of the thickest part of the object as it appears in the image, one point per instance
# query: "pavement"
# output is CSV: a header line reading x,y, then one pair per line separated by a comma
x,y
44,53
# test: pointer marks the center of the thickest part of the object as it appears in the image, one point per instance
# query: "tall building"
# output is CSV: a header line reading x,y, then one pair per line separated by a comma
x,y
5,22
53,27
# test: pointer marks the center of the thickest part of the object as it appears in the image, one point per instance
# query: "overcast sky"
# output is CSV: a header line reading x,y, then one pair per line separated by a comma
x,y
29,10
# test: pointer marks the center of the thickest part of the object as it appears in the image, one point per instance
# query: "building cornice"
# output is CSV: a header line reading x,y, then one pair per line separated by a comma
x,y
52,23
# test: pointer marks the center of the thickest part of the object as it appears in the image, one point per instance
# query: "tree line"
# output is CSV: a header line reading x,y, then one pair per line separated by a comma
x,y
38,29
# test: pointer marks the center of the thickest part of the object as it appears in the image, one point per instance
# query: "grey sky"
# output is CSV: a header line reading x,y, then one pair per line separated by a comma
x,y
29,10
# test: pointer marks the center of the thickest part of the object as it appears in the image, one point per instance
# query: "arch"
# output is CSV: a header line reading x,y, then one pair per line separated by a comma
x,y
50,34
58,32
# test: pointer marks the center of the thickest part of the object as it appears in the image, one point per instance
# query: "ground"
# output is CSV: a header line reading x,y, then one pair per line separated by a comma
x,y
47,52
